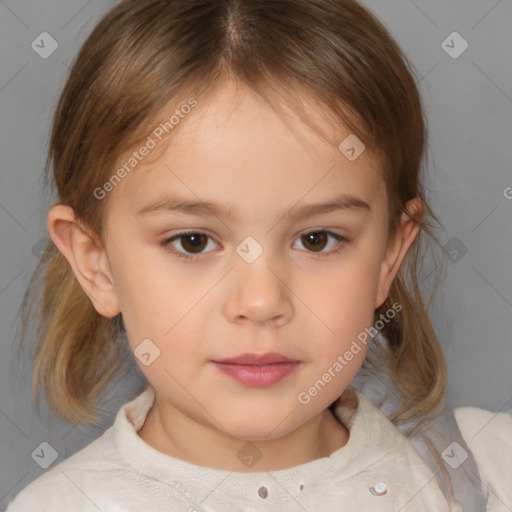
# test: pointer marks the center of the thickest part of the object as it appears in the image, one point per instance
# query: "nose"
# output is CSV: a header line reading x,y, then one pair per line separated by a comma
x,y
259,294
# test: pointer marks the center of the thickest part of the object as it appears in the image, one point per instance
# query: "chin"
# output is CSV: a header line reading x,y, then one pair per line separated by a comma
x,y
259,426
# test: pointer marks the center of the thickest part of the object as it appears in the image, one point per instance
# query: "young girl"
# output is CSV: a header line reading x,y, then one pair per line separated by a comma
x,y
240,203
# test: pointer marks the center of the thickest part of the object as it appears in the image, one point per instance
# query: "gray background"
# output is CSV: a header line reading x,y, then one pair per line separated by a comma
x,y
468,102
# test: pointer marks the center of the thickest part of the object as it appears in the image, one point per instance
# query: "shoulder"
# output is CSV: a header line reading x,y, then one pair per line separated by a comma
x,y
381,456
489,437
72,483
430,436
97,477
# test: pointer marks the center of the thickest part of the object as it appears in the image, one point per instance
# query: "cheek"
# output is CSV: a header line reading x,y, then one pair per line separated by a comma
x,y
151,290
171,310
345,300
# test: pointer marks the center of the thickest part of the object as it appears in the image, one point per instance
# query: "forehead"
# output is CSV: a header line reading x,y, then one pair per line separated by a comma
x,y
233,146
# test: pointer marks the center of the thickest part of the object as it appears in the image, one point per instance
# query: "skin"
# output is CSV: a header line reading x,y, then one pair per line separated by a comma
x,y
235,150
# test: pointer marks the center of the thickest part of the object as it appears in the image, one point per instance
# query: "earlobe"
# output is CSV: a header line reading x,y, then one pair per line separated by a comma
x,y
398,247
86,256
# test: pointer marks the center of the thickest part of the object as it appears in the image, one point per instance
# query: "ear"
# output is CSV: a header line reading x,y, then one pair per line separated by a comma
x,y
86,256
398,246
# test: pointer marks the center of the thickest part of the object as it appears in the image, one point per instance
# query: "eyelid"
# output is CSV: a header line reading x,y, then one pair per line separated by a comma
x,y
342,242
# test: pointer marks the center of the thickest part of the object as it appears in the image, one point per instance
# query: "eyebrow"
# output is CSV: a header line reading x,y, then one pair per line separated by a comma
x,y
208,208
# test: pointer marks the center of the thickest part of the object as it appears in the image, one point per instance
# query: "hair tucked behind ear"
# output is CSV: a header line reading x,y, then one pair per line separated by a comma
x,y
414,358
144,59
79,354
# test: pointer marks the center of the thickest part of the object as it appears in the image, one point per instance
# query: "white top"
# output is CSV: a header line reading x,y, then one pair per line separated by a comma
x,y
489,436
378,470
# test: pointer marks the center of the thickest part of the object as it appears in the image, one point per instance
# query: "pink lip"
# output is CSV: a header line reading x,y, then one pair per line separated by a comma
x,y
255,359
257,370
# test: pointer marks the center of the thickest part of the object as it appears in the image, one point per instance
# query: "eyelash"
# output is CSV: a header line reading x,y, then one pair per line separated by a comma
x,y
189,258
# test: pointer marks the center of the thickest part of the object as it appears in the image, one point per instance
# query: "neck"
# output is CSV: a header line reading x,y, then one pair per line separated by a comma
x,y
169,431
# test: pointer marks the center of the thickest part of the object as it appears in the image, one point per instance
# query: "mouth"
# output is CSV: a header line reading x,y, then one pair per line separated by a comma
x,y
257,359
255,370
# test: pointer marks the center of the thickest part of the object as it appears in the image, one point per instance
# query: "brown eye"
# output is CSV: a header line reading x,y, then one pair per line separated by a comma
x,y
188,244
315,241
193,242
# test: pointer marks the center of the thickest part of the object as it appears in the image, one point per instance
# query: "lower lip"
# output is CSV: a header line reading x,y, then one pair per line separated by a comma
x,y
258,376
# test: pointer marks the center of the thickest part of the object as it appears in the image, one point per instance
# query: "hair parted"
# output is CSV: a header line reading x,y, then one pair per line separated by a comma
x,y
146,57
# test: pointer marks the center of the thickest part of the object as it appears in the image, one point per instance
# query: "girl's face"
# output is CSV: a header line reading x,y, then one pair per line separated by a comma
x,y
249,280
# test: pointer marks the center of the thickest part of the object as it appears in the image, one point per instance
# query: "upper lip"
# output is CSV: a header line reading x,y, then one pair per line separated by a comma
x,y
257,359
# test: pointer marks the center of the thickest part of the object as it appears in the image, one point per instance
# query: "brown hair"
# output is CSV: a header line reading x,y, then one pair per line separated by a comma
x,y
146,55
